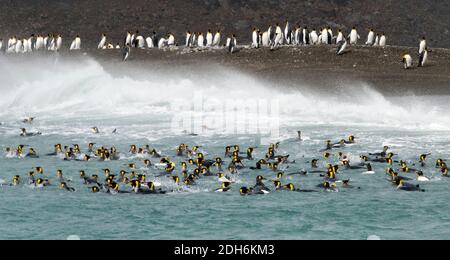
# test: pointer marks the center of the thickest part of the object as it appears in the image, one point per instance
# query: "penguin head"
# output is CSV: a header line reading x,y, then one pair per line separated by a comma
x,y
277,183
280,175
95,189
62,185
290,186
259,178
244,190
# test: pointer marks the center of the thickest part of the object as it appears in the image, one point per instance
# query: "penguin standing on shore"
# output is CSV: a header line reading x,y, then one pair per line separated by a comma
x,y
209,38
377,40
76,44
126,52
19,46
39,43
162,43
305,36
314,37
330,35
339,37
324,36
407,61
217,39
188,42
255,38
383,40
231,43
287,33
150,43
102,42
265,40
154,38
423,57
58,43
422,45
171,40
354,36
201,40
370,38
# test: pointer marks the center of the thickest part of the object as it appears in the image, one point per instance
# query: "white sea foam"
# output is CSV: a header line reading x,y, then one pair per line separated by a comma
x,y
83,88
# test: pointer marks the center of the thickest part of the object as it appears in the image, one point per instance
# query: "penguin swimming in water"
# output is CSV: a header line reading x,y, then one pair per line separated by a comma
x,y
225,187
26,134
402,185
95,130
407,61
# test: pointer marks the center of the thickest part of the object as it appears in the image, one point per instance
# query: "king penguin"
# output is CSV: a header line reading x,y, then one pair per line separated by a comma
x,y
102,42
287,33
201,40
216,40
407,61
162,43
314,37
342,45
76,44
255,42
354,36
209,38
383,40
422,45
188,39
58,42
423,57
231,43
126,52
150,43
370,38
339,37
171,40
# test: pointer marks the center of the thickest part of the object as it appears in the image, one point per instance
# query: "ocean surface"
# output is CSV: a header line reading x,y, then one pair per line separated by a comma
x,y
162,109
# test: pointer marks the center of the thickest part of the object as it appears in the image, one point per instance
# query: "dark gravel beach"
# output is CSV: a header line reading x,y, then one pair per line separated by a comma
x,y
404,22
317,66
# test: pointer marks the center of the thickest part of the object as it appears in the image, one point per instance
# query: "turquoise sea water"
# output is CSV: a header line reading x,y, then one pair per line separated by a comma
x,y
68,99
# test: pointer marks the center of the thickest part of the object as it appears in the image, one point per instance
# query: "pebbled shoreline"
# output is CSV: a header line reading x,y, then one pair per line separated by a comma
x,y
315,67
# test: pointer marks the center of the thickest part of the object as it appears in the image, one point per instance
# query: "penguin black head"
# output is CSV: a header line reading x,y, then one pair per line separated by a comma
x,y
244,190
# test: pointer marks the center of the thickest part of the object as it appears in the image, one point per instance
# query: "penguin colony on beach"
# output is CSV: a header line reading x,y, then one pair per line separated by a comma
x,y
148,171
273,37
